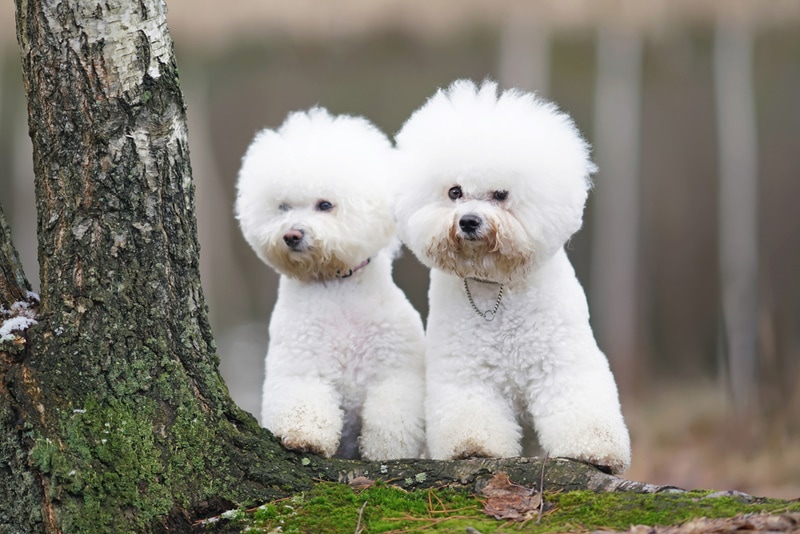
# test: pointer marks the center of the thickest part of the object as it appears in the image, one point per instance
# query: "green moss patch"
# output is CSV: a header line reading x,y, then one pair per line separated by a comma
x,y
110,459
109,470
336,508
582,510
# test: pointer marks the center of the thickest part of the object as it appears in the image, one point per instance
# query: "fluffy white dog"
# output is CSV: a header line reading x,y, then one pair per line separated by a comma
x,y
492,188
346,348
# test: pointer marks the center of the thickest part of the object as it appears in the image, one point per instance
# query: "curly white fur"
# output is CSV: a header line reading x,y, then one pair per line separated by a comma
x,y
345,356
492,187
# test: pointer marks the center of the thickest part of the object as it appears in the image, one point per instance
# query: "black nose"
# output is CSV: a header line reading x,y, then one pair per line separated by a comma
x,y
292,238
470,223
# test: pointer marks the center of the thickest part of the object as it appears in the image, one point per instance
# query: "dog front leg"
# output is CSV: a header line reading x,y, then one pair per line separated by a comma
x,y
578,415
393,418
304,413
469,420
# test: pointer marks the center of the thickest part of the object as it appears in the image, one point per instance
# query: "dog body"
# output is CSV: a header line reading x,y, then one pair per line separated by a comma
x,y
494,186
345,359
344,366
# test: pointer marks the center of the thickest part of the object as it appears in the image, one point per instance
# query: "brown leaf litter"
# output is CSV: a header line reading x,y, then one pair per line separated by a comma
x,y
510,502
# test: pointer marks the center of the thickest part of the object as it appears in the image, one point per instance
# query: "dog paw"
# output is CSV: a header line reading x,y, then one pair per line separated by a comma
x,y
594,436
608,465
375,450
471,450
400,437
481,445
295,441
608,451
307,426
479,427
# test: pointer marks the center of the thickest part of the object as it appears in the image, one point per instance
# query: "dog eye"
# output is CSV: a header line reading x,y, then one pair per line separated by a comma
x,y
324,205
284,206
500,196
455,193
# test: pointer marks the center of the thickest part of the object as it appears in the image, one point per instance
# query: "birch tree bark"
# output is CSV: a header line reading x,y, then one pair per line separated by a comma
x,y
114,414
615,247
524,55
738,207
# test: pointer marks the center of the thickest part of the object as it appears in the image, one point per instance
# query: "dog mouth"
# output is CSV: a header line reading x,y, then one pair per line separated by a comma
x,y
478,247
298,252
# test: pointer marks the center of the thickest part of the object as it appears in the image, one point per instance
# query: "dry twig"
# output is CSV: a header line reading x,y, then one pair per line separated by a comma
x,y
541,489
360,515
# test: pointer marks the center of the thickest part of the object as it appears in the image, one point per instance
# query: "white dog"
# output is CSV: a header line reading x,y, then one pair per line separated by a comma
x,y
346,347
492,188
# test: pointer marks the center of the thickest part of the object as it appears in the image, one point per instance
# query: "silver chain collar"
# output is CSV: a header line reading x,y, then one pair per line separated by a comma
x,y
488,315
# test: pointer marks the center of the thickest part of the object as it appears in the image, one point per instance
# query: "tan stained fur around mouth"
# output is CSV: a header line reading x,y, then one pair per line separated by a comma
x,y
493,256
314,263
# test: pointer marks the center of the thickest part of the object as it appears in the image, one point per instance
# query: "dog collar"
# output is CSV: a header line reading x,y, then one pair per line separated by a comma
x,y
489,314
352,271
484,281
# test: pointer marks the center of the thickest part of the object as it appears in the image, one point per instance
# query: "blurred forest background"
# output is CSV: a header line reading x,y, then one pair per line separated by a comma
x,y
690,251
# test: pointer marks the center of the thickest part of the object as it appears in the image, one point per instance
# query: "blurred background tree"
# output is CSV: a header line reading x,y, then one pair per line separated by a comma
x,y
690,249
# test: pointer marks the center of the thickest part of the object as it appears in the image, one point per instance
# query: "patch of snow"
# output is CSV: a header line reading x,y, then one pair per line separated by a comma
x,y
19,317
15,323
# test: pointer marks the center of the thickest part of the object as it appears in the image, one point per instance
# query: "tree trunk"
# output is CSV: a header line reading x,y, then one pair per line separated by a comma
x,y
113,415
615,248
14,287
524,55
738,209
117,414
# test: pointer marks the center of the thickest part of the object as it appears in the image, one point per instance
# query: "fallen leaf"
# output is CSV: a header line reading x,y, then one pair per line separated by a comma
x,y
361,483
509,501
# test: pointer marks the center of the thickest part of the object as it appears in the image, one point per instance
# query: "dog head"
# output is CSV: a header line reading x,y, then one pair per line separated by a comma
x,y
490,185
311,196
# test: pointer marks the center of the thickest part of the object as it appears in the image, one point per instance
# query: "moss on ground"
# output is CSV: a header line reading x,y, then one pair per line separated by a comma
x,y
331,508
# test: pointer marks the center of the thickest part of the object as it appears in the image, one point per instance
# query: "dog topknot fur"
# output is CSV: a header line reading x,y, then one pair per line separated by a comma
x,y
344,366
491,185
